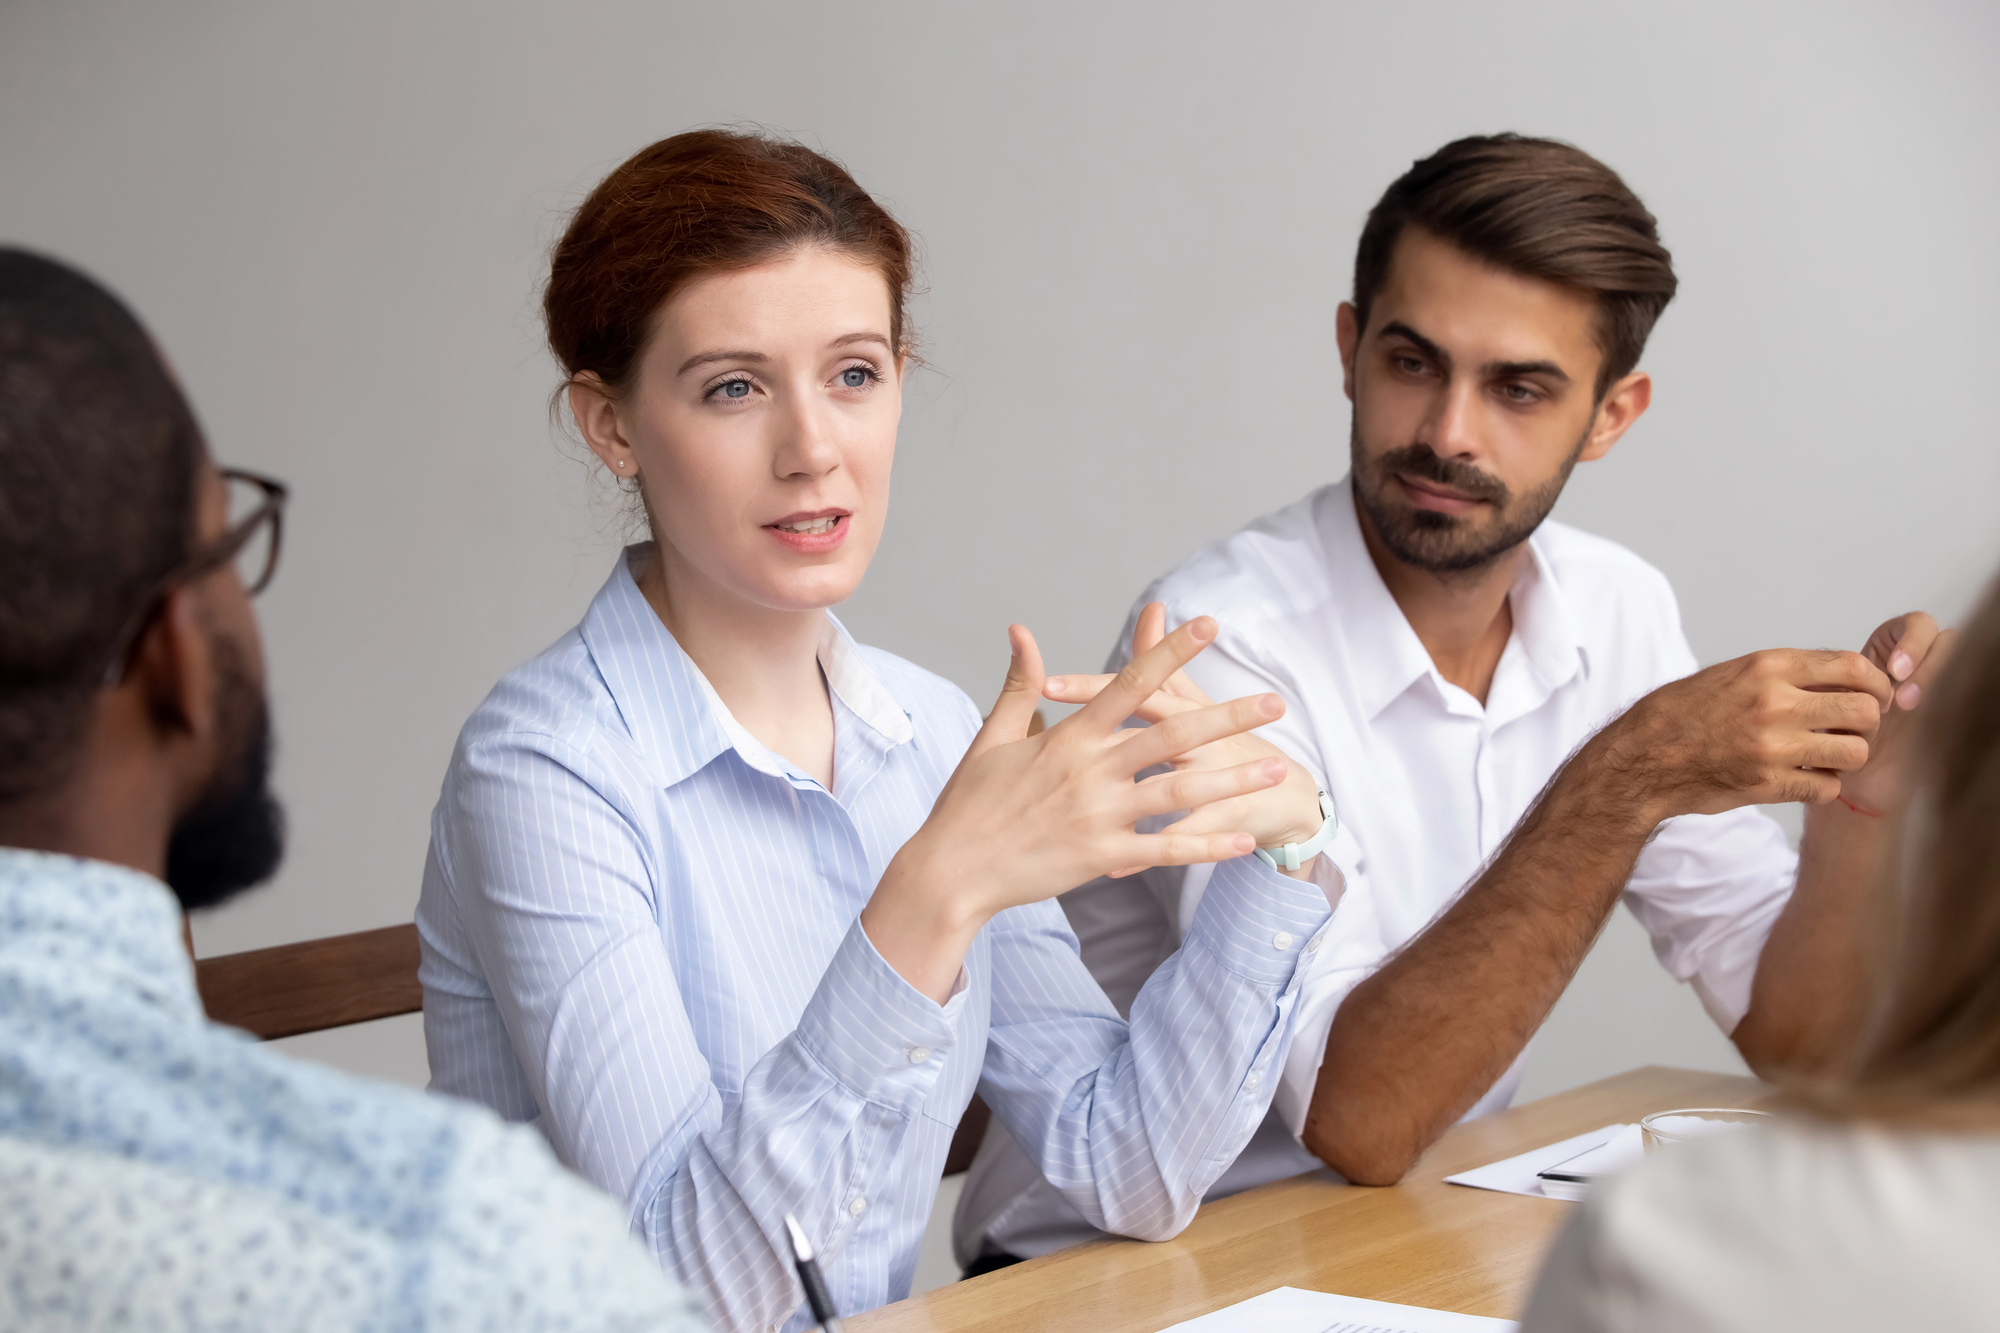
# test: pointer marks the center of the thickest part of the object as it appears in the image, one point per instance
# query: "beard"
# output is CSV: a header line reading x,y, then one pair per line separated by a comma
x,y
234,836
1449,543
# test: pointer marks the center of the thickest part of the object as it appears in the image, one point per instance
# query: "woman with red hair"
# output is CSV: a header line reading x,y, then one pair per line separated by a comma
x,y
741,912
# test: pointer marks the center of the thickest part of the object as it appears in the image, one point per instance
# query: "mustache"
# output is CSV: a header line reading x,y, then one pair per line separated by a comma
x,y
1421,462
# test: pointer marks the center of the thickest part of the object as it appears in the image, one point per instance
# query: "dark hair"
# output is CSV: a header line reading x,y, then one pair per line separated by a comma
x,y
698,203
1539,208
98,459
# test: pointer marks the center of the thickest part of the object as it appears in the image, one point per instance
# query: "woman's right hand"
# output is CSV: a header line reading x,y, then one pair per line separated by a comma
x,y
1024,818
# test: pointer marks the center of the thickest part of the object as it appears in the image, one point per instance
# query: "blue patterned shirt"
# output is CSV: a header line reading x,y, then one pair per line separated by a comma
x,y
640,932
160,1172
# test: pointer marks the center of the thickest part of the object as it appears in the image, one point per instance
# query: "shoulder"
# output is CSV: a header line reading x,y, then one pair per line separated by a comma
x,y
557,693
1271,567
1274,567
1600,579
109,1240
1801,1222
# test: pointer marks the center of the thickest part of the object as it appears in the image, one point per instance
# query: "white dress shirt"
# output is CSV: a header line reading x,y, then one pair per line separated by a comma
x,y
1833,1228
640,933
1428,783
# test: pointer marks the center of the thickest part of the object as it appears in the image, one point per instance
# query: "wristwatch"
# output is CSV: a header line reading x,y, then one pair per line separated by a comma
x,y
1295,854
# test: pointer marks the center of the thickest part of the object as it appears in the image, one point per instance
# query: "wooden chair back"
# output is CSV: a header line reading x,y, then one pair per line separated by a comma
x,y
314,985
343,979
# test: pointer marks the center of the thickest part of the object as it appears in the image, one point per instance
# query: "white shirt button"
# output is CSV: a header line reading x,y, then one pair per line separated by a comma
x,y
920,1055
857,1208
1282,940
1253,1082
1313,943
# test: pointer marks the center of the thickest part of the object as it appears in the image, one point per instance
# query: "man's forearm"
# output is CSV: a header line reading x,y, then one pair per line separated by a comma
x,y
1417,1043
1806,1003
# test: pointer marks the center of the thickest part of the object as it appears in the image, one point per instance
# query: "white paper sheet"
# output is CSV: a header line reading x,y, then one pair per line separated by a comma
x,y
1292,1310
1516,1175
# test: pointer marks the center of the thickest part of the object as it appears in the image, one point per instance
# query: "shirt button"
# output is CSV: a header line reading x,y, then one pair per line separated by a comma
x,y
857,1208
1254,1082
1313,943
920,1055
1282,940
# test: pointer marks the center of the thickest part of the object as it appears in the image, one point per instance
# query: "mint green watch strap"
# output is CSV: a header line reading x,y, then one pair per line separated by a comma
x,y
1295,854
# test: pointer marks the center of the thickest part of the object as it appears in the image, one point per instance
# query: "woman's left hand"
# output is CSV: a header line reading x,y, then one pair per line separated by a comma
x,y
1288,812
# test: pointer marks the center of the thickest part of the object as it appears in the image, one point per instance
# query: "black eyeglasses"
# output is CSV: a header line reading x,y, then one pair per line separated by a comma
x,y
256,529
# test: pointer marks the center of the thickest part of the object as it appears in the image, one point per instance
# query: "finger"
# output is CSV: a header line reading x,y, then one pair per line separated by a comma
x,y
1191,730
1018,695
1192,790
1143,675
1827,669
1186,849
1911,692
1151,628
1831,752
1839,710
1082,689
1920,633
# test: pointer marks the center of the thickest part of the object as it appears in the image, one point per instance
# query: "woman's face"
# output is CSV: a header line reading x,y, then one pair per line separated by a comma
x,y
762,424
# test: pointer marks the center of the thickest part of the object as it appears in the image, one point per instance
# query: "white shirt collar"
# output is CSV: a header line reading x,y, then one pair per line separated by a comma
x,y
1390,657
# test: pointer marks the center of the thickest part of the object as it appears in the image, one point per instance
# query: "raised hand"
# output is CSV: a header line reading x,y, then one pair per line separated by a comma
x,y
1286,812
1024,818
1910,649
1781,725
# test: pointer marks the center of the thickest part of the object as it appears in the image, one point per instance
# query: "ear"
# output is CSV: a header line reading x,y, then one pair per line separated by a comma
x,y
1624,403
1347,332
596,413
173,671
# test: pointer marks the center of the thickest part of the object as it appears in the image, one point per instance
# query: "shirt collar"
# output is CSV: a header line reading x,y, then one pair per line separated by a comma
x,y
669,705
1385,654
92,918
1543,625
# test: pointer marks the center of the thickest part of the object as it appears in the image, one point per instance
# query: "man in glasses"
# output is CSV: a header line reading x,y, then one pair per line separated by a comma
x,y
156,1170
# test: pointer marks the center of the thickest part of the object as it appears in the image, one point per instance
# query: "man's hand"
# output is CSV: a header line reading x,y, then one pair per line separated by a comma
x,y
1287,812
1781,725
1911,649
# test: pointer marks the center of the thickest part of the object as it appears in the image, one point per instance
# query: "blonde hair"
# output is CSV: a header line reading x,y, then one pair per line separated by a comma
x,y
1931,1051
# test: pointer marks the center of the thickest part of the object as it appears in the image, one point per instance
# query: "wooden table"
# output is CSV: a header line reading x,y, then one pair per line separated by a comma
x,y
1422,1242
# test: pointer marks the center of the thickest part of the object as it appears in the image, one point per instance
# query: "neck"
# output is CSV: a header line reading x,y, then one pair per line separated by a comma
x,y
106,810
763,663
1462,618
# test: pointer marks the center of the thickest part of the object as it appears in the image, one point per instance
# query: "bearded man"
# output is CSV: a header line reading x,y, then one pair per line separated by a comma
x,y
157,1170
1460,676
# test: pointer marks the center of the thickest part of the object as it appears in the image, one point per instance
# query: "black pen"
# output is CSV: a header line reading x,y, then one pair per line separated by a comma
x,y
817,1295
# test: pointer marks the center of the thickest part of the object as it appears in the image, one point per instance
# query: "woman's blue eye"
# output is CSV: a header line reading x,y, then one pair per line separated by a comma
x,y
736,389
854,377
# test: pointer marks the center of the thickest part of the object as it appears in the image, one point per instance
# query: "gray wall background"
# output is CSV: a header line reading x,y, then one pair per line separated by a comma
x,y
1137,221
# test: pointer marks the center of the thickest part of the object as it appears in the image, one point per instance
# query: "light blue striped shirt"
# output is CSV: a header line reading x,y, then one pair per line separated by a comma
x,y
640,932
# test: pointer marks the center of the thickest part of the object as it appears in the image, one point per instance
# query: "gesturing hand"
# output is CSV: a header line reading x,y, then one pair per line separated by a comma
x,y
1024,817
1286,812
1911,649
1780,725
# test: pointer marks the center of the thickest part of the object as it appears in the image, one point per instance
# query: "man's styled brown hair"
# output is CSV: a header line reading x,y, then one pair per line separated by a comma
x,y
1539,208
